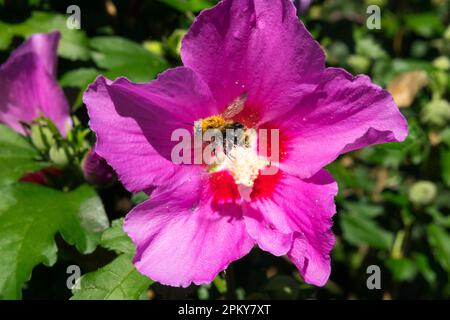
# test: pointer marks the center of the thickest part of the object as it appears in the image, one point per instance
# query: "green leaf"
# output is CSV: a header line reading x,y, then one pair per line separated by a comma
x,y
174,41
16,156
118,280
74,43
79,78
368,47
203,292
359,230
398,66
439,240
424,24
438,217
5,36
188,5
221,284
115,239
445,164
402,269
424,267
138,198
445,136
367,210
122,57
31,216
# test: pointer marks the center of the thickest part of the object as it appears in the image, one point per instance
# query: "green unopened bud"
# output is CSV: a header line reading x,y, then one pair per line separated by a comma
x,y
436,113
37,139
58,156
423,193
42,137
442,63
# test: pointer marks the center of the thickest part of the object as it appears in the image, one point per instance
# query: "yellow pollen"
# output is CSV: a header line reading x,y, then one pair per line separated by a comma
x,y
212,123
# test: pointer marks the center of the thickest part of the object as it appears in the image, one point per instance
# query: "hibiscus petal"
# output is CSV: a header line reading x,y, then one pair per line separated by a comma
x,y
29,90
255,46
296,219
45,46
262,230
181,237
344,113
134,123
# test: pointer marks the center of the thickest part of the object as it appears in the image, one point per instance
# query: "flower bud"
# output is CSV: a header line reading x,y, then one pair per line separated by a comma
x,y
42,137
422,192
95,169
442,63
58,156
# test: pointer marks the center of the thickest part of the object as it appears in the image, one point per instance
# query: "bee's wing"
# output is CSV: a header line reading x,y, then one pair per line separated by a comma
x,y
235,107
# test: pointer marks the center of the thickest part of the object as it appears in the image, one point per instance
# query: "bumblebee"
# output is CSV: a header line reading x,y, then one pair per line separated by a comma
x,y
237,133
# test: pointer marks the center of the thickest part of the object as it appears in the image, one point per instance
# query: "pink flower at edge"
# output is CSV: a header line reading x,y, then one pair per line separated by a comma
x,y
196,222
29,89
28,85
302,5
95,169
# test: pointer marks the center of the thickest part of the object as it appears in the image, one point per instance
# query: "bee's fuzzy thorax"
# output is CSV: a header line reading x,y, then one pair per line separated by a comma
x,y
212,123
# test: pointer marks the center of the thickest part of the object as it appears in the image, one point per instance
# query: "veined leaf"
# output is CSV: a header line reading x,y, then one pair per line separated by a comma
x,y
31,216
359,230
115,239
122,57
118,280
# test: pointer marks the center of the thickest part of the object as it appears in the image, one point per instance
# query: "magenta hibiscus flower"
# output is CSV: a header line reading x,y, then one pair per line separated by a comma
x,y
28,85
198,219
